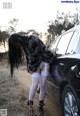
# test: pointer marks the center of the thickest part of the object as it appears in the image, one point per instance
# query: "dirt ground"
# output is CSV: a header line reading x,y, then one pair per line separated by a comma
x,y
14,94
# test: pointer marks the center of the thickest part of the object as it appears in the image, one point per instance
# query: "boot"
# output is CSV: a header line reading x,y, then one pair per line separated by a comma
x,y
41,104
30,103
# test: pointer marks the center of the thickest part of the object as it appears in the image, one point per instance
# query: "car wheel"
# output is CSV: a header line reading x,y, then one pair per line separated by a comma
x,y
70,103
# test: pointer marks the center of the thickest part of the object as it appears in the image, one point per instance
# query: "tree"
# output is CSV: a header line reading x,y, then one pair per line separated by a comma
x,y
63,22
12,25
32,31
0,36
29,32
3,37
22,33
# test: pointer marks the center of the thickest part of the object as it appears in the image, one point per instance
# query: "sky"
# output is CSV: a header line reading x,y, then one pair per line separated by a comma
x,y
33,14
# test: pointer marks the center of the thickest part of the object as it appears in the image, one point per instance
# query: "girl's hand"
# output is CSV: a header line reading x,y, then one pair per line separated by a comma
x,y
30,72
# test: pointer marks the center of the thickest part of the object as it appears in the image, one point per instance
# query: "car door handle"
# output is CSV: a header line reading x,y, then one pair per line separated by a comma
x,y
61,65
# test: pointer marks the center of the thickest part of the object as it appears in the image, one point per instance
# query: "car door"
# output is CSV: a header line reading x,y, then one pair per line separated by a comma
x,y
61,48
60,67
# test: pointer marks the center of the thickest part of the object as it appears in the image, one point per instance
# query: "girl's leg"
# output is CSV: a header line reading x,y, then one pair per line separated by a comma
x,y
43,85
35,81
43,81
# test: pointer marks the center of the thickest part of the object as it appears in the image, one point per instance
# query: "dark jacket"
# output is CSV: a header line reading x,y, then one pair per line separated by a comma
x,y
36,52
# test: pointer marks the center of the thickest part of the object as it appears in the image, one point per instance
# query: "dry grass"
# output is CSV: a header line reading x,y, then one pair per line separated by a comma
x,y
14,94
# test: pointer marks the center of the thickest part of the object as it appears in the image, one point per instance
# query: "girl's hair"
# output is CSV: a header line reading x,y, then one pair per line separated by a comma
x,y
15,52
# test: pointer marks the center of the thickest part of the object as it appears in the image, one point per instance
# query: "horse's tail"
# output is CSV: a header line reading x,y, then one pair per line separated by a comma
x,y
15,55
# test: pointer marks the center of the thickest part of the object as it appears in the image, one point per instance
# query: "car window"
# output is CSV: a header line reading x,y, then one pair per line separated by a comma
x,y
54,44
73,42
63,43
78,47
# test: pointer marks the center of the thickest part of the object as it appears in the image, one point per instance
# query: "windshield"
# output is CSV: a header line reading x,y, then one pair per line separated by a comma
x,y
54,44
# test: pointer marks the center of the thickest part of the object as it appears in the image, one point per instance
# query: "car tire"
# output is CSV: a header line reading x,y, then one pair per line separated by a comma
x,y
70,103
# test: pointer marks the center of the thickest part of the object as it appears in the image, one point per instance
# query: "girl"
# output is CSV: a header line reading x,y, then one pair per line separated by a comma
x,y
38,63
